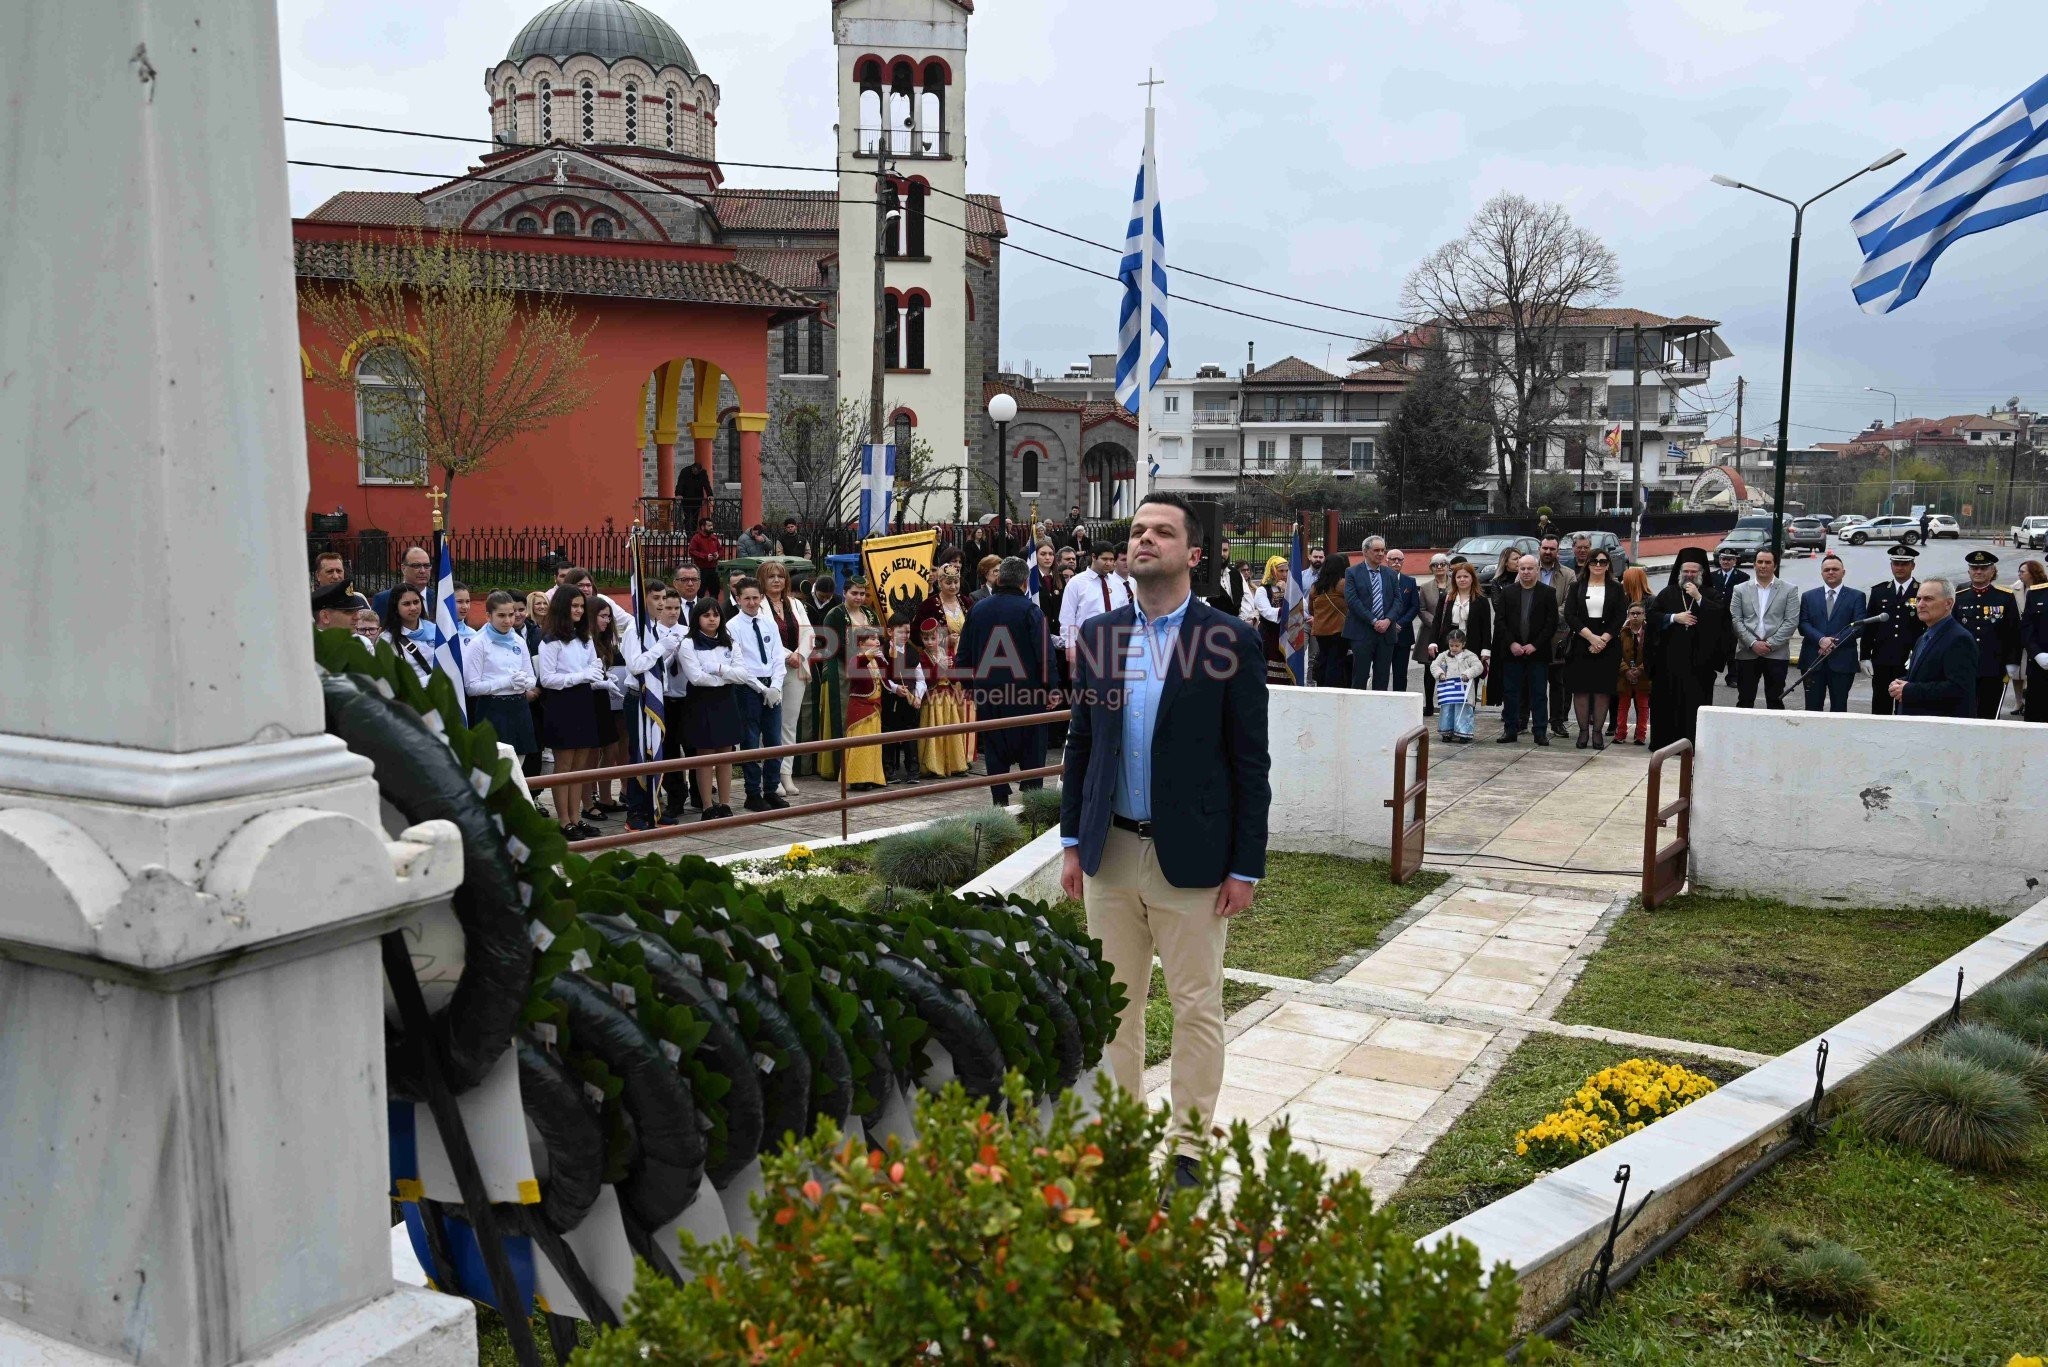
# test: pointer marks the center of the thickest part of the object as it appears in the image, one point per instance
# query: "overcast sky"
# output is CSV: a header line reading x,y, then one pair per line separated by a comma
x,y
1321,147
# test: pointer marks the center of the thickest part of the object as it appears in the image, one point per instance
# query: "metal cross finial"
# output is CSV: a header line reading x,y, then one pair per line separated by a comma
x,y
1150,81
561,161
437,497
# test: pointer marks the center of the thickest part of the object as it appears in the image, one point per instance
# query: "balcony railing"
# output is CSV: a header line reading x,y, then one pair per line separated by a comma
x,y
909,144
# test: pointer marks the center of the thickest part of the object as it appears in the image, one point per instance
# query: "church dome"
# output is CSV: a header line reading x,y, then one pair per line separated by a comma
x,y
606,29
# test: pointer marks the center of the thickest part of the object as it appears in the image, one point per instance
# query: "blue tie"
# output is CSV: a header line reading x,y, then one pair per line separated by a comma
x,y
760,641
1378,600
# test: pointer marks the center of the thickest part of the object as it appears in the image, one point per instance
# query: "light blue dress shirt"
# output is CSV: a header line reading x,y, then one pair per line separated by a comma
x,y
1146,660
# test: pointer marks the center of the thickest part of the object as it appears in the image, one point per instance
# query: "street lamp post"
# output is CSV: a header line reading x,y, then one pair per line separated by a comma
x,y
1791,317
1001,410
1891,486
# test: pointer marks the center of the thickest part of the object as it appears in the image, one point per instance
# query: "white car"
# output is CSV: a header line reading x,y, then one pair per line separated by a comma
x,y
2031,534
1941,524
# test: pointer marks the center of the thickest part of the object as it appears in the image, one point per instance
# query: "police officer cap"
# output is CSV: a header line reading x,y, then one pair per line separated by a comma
x,y
1903,554
339,598
1979,559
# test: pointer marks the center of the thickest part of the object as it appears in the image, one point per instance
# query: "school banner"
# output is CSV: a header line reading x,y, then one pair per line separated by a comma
x,y
899,570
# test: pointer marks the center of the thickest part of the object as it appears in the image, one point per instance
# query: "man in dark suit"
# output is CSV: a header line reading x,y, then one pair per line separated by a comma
x,y
1887,645
1825,616
1406,613
1164,807
1524,625
1722,583
1231,586
1006,652
1941,675
1992,615
1373,603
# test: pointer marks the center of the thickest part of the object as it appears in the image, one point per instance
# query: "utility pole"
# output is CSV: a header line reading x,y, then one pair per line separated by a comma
x,y
1738,424
1635,534
884,222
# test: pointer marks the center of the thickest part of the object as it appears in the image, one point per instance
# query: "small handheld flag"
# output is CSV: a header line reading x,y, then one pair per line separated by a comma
x,y
448,622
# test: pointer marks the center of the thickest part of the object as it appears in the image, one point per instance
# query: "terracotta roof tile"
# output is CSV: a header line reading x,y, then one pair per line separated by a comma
x,y
1291,370
1096,414
1030,400
388,208
680,281
793,268
1381,375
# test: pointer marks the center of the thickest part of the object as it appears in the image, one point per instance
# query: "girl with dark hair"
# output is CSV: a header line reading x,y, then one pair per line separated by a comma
x,y
864,671
711,714
610,700
1326,614
497,673
902,696
570,676
405,629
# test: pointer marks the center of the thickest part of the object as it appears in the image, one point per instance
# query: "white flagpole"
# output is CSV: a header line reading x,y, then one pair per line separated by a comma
x,y
1141,468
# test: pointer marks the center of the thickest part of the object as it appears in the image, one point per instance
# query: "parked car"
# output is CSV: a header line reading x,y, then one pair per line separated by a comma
x,y
1940,525
2031,534
1807,533
1841,525
1744,542
1616,548
1901,529
1484,551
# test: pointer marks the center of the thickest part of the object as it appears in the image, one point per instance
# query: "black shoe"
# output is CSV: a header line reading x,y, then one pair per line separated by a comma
x,y
755,804
593,813
1541,739
609,808
865,787
1599,741
710,814
1187,1173
721,811
636,824
671,821
1507,738
585,831
776,802
1583,742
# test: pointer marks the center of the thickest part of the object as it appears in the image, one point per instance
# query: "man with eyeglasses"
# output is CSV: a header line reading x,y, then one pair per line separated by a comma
x,y
418,568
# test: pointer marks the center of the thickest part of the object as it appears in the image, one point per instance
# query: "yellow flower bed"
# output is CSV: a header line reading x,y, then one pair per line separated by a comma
x,y
797,857
1613,1102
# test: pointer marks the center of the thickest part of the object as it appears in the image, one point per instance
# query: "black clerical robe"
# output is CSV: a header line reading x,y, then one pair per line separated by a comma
x,y
1684,660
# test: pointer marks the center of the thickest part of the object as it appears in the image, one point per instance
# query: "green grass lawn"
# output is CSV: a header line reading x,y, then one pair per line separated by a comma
x,y
1312,910
1963,1262
847,880
1474,1164
1747,973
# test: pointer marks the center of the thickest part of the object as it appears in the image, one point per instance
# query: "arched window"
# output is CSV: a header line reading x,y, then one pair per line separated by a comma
x,y
511,113
1027,457
587,93
668,118
565,223
902,432
892,331
902,106
817,340
913,218
632,113
601,227
526,223
388,409
870,136
545,98
892,202
913,331
732,451
931,112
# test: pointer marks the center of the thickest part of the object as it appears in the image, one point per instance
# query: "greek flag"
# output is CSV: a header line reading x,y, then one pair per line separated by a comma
x,y
877,488
1294,626
448,623
1144,291
651,722
1993,174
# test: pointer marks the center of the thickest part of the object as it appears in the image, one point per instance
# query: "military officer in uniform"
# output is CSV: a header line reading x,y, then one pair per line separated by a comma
x,y
1889,644
1992,615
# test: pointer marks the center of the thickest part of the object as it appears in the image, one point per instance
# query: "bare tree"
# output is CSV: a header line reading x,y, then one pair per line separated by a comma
x,y
819,471
1499,296
446,356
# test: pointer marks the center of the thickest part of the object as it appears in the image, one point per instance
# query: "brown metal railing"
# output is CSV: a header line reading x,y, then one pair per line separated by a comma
x,y
1410,832
843,804
1664,871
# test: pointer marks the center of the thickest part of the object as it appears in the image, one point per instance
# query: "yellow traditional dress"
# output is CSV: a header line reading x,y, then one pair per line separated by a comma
x,y
864,718
945,704
956,622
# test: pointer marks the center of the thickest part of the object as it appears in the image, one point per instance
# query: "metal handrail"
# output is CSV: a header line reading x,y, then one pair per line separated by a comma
x,y
843,804
1405,793
1664,871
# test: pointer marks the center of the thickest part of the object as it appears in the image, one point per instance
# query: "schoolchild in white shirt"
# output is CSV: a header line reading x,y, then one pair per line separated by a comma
x,y
497,673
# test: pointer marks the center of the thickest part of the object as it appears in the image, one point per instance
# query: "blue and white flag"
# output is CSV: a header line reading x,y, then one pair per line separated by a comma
x,y
1294,626
877,489
651,721
1144,291
448,623
1993,174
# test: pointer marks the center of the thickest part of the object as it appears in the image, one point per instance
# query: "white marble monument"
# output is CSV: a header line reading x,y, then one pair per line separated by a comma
x,y
192,876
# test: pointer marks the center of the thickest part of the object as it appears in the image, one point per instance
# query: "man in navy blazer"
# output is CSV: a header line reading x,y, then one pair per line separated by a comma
x,y
1005,653
1164,807
1941,673
1825,616
1373,608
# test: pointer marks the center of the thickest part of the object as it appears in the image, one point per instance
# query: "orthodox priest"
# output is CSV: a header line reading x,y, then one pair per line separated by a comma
x,y
1691,636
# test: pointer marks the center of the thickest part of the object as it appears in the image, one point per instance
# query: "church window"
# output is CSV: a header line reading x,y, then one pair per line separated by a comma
x,y
511,113
913,218
892,331
892,202
565,223
632,113
913,331
902,108
902,432
931,112
870,78
545,98
732,451
792,358
601,227
1028,457
388,407
588,95
526,223
668,118
817,339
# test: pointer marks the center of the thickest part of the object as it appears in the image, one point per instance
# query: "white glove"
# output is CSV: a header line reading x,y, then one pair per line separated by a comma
x,y
2013,672
772,697
732,671
2041,660
1870,669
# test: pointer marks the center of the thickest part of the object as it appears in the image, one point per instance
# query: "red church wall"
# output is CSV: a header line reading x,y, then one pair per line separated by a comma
x,y
582,469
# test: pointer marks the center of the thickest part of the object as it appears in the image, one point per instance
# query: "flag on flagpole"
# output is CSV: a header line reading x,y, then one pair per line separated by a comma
x,y
1611,439
1035,583
650,727
1294,635
1141,321
877,488
448,622
1993,174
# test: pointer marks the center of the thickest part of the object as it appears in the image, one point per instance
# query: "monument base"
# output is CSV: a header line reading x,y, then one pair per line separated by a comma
x,y
410,1327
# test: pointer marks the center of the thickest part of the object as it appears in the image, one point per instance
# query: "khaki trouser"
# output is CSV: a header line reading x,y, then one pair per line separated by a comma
x,y
1134,911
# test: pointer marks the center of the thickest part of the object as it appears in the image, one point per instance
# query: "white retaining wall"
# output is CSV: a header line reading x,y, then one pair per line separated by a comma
x,y
1333,768
1550,1230
1818,808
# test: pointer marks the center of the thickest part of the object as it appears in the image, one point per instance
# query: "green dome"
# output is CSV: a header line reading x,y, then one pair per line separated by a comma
x,y
606,29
